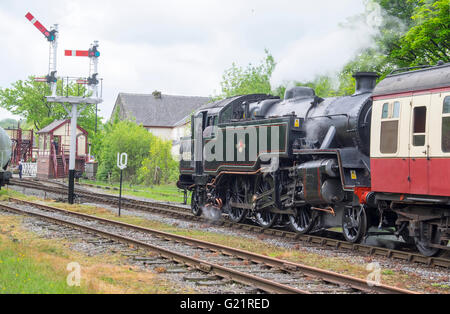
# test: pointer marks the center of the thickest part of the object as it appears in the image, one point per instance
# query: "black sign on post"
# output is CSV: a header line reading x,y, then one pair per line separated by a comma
x,y
122,160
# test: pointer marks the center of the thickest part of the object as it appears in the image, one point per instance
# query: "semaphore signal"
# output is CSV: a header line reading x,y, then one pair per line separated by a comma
x,y
93,54
73,101
52,37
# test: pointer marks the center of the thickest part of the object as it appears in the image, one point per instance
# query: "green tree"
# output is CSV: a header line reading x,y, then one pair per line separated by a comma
x,y
412,32
250,80
8,123
428,40
123,137
160,166
27,99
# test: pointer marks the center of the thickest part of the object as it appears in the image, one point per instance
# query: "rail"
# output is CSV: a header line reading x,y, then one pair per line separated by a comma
x,y
261,283
184,213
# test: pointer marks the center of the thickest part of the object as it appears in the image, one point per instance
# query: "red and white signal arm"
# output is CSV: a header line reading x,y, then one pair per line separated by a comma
x,y
37,24
76,53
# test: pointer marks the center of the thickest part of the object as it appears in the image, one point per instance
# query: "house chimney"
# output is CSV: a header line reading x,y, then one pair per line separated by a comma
x,y
365,82
157,94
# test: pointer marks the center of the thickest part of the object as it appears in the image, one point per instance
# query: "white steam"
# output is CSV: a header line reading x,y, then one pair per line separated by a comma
x,y
311,56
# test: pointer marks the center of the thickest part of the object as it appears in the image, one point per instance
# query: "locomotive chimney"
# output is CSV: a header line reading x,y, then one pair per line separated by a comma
x,y
365,82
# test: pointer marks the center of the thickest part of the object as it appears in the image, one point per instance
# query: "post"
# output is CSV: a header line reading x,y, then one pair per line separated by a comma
x,y
120,193
122,160
53,59
96,110
73,149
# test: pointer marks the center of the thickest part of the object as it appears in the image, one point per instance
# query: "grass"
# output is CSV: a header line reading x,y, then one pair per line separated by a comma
x,y
34,265
21,274
167,193
388,272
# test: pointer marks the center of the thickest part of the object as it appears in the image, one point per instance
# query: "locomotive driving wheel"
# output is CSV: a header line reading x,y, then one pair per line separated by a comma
x,y
354,223
196,204
303,221
237,195
264,217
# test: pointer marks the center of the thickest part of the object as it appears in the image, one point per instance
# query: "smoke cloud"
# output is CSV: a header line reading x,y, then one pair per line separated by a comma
x,y
311,56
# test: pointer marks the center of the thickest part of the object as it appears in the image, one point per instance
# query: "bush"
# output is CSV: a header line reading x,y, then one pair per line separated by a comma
x,y
160,167
123,137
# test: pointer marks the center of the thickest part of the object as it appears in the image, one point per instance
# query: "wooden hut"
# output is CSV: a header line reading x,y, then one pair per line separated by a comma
x,y
54,148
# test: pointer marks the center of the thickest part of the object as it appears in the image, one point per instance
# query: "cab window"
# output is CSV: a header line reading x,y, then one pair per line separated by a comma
x,y
389,128
210,129
446,125
226,115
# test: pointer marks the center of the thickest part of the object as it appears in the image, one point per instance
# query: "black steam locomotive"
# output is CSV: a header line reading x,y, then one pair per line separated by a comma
x,y
282,161
304,162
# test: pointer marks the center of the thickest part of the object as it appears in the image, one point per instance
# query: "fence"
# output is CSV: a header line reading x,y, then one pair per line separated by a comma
x,y
29,169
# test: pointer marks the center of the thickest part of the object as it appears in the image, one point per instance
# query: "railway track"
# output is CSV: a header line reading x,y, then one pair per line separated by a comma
x,y
184,213
261,272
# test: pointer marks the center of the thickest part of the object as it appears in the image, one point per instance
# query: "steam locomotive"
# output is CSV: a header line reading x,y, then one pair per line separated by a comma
x,y
5,157
379,158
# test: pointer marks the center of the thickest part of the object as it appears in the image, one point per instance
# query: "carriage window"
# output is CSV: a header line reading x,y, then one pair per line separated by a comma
x,y
420,118
385,114
389,137
446,126
389,128
391,110
396,110
446,105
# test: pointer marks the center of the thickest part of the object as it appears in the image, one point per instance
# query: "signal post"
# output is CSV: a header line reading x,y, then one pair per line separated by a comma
x,y
75,102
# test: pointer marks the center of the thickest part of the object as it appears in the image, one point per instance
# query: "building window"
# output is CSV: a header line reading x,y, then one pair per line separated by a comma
x,y
420,122
446,126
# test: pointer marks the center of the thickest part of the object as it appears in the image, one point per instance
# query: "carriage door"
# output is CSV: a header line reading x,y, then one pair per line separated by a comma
x,y
199,125
419,146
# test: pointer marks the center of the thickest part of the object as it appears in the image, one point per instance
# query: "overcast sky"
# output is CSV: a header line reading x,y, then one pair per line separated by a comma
x,y
179,47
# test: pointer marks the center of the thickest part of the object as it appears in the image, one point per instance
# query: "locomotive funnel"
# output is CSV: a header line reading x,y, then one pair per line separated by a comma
x,y
365,82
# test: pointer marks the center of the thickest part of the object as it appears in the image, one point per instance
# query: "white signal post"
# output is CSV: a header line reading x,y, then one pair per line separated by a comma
x,y
52,62
92,99
51,79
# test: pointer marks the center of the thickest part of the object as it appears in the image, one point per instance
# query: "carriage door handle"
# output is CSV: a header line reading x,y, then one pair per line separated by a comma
x,y
427,152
